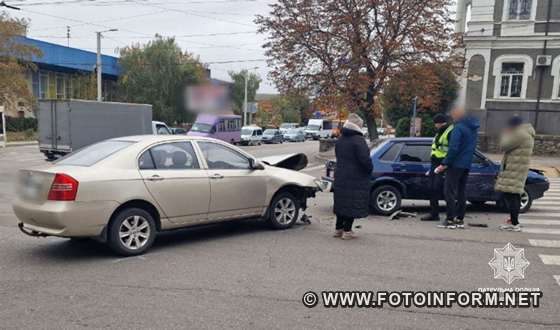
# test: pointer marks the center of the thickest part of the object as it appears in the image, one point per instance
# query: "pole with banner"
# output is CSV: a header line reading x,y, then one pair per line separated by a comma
x,y
3,119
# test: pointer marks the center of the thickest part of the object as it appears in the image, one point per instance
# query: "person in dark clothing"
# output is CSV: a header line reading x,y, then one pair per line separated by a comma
x,y
352,177
457,164
439,151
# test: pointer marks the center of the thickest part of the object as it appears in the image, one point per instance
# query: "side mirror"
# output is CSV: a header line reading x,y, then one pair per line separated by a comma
x,y
255,164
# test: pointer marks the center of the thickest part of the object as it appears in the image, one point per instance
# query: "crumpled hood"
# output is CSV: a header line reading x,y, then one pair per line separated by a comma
x,y
294,162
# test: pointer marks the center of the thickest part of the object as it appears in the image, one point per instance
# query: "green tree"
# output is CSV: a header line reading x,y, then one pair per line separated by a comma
x,y
157,73
435,85
15,62
238,90
292,107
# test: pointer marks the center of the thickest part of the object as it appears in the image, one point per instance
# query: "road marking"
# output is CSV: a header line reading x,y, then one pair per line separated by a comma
x,y
541,222
545,243
550,259
557,278
309,169
546,231
546,207
537,216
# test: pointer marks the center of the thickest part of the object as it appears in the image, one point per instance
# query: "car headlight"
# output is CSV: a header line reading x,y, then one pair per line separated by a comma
x,y
322,185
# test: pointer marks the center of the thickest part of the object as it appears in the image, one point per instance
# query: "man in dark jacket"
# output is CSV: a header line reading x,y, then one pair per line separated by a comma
x,y
457,164
352,177
440,146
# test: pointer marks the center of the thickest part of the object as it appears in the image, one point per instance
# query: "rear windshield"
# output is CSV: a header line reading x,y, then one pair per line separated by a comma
x,y
94,153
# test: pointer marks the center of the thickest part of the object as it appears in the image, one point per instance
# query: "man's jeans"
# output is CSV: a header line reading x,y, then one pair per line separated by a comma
x,y
455,195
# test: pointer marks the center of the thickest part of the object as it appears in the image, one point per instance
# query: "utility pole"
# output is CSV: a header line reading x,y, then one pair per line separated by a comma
x,y
68,35
413,120
245,99
99,65
4,133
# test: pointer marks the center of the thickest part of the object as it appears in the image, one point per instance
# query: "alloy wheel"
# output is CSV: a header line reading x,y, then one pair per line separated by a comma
x,y
386,200
134,232
284,211
524,200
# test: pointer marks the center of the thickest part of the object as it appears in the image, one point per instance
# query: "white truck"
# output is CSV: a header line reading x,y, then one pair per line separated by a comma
x,y
68,125
318,129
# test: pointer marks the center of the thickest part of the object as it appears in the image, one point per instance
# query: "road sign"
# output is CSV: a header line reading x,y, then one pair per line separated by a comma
x,y
252,107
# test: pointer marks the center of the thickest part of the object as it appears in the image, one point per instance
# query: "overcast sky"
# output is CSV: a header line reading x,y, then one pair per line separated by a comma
x,y
139,20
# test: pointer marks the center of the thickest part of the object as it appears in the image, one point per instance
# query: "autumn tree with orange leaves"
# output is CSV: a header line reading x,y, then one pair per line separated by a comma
x,y
349,48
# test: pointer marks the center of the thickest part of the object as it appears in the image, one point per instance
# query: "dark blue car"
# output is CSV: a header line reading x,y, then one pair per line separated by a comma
x,y
399,172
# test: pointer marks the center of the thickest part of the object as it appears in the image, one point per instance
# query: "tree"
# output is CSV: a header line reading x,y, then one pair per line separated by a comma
x,y
435,85
15,62
348,48
157,73
238,90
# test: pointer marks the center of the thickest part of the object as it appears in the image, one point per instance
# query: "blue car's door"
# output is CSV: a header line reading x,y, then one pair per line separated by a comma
x,y
482,177
411,167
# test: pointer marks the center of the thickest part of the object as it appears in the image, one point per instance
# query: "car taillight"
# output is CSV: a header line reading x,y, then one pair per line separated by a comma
x,y
63,188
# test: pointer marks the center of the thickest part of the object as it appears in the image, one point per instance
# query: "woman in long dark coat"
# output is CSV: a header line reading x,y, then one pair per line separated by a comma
x,y
352,177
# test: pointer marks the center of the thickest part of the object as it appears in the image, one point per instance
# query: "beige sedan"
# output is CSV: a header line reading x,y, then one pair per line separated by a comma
x,y
125,190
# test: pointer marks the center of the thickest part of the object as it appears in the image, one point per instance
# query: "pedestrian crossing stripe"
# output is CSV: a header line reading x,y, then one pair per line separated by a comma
x,y
540,222
557,278
540,230
544,243
537,216
550,259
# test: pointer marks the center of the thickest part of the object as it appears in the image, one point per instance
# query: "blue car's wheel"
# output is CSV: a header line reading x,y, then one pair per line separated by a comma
x,y
526,202
385,200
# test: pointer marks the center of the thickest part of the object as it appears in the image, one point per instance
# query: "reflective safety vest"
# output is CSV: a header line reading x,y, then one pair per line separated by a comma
x,y
441,145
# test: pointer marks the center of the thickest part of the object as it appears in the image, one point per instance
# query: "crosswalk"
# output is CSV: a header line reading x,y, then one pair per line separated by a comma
x,y
543,222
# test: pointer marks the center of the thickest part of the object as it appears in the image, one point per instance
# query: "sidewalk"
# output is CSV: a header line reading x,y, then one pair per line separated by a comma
x,y
19,143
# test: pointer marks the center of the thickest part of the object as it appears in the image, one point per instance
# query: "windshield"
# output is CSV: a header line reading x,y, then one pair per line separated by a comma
x,y
287,125
202,128
247,131
293,131
270,131
94,153
313,127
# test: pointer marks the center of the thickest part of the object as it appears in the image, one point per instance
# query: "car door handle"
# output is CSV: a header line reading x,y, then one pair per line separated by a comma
x,y
155,178
216,176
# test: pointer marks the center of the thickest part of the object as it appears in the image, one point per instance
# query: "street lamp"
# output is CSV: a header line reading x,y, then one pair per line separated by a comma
x,y
98,65
245,98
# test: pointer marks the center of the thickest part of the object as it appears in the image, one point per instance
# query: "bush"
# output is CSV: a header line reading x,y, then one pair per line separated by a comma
x,y
403,127
14,124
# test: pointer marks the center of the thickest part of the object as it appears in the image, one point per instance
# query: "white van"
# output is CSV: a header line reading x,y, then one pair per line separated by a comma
x,y
251,135
318,129
160,128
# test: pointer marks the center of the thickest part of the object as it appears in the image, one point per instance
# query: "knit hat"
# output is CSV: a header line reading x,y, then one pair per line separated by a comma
x,y
354,122
515,121
440,119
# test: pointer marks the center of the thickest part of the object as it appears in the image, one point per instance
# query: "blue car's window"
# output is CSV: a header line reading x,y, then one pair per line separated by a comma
x,y
415,153
391,153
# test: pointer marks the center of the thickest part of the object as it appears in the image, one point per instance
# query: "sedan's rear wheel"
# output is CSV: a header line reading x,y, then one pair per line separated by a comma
x,y
283,211
132,231
526,202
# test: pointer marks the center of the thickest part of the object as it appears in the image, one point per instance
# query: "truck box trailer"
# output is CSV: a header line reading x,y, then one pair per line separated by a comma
x,y
68,125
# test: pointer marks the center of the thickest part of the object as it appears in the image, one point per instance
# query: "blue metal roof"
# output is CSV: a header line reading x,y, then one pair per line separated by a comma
x,y
70,58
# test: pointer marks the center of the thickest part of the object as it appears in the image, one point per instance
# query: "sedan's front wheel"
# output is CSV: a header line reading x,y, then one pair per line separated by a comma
x,y
283,211
131,232
385,200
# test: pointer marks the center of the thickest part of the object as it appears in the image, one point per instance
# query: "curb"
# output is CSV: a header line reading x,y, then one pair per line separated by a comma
x,y
22,143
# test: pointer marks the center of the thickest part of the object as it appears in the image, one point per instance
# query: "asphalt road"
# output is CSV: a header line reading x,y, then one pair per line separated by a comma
x,y
247,276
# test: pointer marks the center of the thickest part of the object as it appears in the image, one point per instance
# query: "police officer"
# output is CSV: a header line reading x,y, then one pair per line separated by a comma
x,y
439,151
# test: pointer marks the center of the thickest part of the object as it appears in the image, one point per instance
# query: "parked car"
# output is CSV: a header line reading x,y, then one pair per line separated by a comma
x,y
284,127
178,131
251,135
400,168
295,135
124,191
225,127
318,129
272,135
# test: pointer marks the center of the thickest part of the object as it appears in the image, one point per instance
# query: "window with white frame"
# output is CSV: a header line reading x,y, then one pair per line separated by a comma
x,y
60,86
555,73
43,85
520,9
511,79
